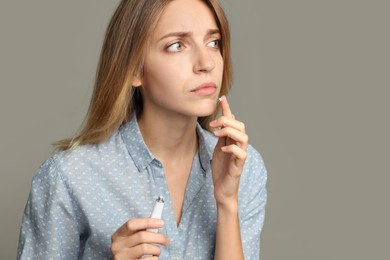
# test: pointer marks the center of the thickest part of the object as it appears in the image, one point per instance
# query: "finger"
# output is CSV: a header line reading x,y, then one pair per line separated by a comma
x,y
239,137
146,250
225,106
237,152
221,142
133,242
150,238
135,225
224,121
138,238
138,252
146,257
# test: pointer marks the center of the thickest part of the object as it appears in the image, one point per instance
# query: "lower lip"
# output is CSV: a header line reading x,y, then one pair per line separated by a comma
x,y
206,91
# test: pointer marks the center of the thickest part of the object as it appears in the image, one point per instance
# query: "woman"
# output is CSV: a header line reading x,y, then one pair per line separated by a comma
x,y
163,75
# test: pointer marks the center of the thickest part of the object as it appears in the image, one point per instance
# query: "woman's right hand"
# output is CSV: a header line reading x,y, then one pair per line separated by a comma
x,y
132,241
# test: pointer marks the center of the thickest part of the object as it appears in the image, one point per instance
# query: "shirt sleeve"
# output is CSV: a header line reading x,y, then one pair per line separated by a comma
x,y
253,201
49,227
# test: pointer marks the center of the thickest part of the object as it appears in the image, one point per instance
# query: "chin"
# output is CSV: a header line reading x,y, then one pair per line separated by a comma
x,y
202,108
205,112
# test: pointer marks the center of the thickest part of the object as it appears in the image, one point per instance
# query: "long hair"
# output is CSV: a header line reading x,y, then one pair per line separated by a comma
x,y
114,99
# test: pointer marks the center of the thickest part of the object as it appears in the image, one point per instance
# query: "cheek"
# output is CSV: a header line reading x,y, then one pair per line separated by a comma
x,y
219,67
162,74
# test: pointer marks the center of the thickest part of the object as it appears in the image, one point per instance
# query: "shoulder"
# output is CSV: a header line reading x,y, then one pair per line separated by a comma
x,y
67,164
254,176
254,159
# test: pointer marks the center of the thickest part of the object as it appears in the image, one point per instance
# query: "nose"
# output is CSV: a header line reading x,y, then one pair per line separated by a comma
x,y
204,61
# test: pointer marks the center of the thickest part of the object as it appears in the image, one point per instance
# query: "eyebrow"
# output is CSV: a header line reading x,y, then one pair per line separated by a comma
x,y
186,34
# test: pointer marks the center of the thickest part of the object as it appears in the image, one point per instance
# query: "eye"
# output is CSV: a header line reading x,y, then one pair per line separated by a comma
x,y
175,47
215,44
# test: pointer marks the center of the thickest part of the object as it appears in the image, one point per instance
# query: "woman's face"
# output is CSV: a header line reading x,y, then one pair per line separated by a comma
x,y
183,66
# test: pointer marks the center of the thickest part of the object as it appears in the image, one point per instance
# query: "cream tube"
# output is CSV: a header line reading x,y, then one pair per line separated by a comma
x,y
157,211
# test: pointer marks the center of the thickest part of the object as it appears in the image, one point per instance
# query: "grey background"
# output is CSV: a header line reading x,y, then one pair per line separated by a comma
x,y
311,83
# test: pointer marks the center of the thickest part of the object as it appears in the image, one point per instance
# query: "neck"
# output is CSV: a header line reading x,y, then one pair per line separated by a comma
x,y
170,138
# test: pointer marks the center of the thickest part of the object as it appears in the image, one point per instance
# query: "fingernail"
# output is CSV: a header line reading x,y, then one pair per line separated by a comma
x,y
213,122
220,99
159,222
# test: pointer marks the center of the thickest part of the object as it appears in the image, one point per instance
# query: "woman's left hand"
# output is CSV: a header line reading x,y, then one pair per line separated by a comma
x,y
229,155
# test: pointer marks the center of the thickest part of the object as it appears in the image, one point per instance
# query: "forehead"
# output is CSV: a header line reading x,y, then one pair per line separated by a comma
x,y
185,15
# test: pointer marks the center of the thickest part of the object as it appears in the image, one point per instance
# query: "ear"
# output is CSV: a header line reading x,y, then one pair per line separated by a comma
x,y
137,81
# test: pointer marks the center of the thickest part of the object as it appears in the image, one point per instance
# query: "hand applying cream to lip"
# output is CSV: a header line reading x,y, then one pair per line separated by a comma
x,y
227,165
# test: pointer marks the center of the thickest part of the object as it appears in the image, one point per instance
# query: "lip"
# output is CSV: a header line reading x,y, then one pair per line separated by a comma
x,y
205,89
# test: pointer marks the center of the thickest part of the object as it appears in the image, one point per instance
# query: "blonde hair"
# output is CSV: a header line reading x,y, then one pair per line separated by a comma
x,y
114,99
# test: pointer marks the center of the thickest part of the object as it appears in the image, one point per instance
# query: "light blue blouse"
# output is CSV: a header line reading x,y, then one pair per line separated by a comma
x,y
78,199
